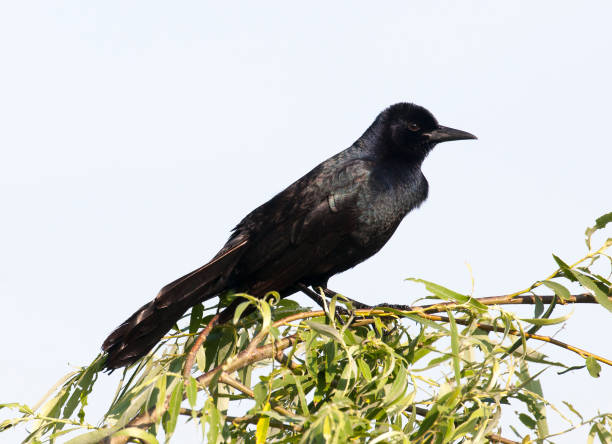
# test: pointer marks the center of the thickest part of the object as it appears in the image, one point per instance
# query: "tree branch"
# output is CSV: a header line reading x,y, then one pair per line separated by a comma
x,y
243,359
197,344
271,350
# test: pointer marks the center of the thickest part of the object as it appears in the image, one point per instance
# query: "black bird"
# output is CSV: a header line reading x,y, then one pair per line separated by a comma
x,y
336,216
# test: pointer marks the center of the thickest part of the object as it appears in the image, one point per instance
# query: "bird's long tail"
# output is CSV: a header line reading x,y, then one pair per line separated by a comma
x,y
135,337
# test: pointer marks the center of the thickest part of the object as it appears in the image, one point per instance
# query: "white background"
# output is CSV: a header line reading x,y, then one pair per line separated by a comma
x,y
134,136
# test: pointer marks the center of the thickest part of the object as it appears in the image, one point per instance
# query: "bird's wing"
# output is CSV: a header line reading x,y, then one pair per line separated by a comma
x,y
272,249
289,235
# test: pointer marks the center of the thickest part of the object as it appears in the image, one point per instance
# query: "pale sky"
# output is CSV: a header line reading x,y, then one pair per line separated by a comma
x,y
134,136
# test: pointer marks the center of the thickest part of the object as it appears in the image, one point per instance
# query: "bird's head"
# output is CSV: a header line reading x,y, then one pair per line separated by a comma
x,y
413,131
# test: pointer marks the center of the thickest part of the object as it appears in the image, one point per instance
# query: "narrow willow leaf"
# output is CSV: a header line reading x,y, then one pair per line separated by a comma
x,y
567,272
84,386
573,410
192,392
426,423
559,289
325,330
365,370
603,280
380,328
391,436
197,312
447,294
266,314
528,421
201,360
603,434
599,295
592,433
161,391
213,418
544,321
455,347
173,410
593,367
600,223
261,392
135,432
469,425
239,310
427,323
275,332
345,378
292,379
398,388
539,307
92,437
262,426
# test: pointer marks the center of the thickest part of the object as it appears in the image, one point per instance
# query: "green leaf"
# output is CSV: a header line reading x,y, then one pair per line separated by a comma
x,y
567,272
539,307
573,410
195,320
365,370
398,388
266,314
262,426
544,321
261,392
84,386
135,432
192,392
451,295
426,423
469,425
427,323
92,437
559,289
600,223
239,310
213,419
325,330
158,394
173,410
603,435
292,379
528,421
593,367
455,347
599,295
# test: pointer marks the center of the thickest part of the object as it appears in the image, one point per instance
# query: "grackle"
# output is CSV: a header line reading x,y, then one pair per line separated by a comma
x,y
336,216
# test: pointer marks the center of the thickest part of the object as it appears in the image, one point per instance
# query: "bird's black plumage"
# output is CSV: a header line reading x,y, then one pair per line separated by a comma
x,y
336,216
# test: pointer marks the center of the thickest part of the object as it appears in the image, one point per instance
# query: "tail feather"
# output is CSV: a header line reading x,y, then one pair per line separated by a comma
x,y
137,335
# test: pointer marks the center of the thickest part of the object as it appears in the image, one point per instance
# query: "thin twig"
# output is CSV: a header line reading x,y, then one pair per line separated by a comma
x,y
492,328
491,301
285,360
246,419
267,351
197,344
227,379
243,359
494,437
583,298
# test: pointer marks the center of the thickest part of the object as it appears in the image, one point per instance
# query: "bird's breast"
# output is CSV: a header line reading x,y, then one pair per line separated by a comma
x,y
382,207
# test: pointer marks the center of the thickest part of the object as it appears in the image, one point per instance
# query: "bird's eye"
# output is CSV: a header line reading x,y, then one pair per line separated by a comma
x,y
413,126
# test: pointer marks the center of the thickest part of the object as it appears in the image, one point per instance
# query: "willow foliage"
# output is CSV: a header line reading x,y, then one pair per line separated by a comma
x,y
446,373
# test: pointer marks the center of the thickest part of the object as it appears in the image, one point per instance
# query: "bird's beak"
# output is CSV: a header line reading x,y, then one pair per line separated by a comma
x,y
446,134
